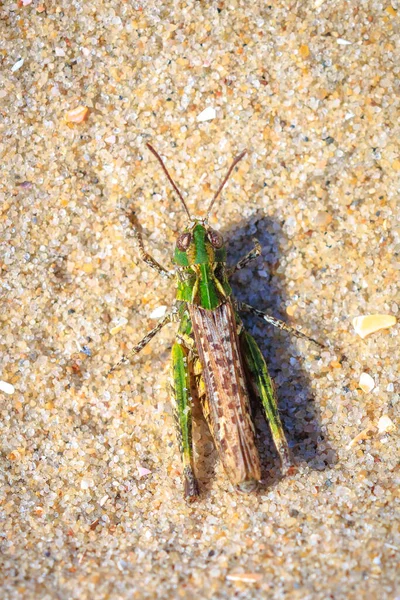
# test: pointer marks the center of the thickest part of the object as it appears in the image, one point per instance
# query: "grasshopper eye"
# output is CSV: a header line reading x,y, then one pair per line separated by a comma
x,y
215,238
183,242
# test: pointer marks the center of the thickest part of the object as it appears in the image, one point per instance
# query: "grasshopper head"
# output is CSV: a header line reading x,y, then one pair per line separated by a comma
x,y
199,245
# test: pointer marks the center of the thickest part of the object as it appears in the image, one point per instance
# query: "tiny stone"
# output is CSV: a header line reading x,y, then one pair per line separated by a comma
x,y
7,388
16,66
77,115
158,312
291,309
143,471
119,323
304,51
322,218
385,424
366,382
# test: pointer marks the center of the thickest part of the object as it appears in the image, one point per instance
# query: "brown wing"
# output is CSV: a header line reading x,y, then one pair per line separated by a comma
x,y
215,333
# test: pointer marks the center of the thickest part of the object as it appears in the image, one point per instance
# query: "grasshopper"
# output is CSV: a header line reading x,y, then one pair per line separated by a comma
x,y
215,361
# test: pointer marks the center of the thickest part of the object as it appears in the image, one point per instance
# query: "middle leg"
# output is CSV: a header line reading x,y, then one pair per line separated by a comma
x,y
243,262
242,306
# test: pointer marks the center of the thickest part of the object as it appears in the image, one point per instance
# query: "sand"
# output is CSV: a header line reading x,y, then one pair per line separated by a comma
x,y
91,492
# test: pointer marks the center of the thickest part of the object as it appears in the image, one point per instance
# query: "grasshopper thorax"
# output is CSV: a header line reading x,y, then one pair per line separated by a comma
x,y
200,254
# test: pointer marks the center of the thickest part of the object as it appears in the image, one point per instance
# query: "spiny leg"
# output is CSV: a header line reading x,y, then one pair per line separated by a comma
x,y
263,387
181,393
145,256
242,306
243,262
143,342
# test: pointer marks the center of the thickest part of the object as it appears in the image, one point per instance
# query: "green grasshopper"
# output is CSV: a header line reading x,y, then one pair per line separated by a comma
x,y
214,360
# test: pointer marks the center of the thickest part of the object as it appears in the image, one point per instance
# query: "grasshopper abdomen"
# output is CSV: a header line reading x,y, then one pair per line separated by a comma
x,y
226,397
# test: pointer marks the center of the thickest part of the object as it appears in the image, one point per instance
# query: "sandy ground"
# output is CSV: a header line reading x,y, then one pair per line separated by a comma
x,y
91,493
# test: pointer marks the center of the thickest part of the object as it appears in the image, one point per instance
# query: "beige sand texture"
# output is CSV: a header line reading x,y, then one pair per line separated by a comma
x,y
91,493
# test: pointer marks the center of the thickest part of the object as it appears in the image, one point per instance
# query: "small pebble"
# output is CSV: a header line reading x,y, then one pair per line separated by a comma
x,y
7,388
366,382
118,324
364,325
291,309
208,114
158,312
143,471
16,66
77,115
25,184
304,51
322,218
385,424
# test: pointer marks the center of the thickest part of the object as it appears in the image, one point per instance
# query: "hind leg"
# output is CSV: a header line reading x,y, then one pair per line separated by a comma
x,y
181,394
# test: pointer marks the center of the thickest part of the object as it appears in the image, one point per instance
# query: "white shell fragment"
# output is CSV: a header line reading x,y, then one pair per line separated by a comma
x,y
103,500
385,424
143,471
208,114
7,388
366,382
343,42
158,312
16,66
371,323
77,115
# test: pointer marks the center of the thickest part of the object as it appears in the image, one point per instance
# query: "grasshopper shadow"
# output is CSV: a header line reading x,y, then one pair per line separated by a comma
x,y
258,286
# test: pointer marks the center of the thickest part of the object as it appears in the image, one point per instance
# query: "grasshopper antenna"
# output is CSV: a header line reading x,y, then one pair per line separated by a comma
x,y
160,160
233,165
